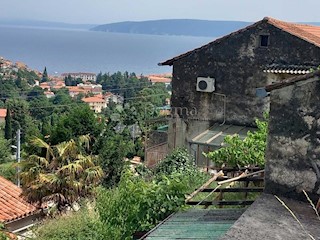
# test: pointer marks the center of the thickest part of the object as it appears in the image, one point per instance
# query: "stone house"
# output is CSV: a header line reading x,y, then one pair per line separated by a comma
x,y
214,87
292,165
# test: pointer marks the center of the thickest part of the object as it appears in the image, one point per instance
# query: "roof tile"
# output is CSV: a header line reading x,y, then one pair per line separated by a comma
x,y
12,205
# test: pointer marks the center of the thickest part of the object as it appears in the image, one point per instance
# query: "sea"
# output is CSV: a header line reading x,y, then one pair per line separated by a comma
x,y
68,50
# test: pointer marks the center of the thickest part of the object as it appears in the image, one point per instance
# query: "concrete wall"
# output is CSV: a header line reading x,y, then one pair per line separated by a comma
x,y
293,151
155,154
237,63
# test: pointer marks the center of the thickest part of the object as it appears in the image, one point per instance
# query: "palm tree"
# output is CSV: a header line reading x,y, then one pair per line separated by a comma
x,y
62,173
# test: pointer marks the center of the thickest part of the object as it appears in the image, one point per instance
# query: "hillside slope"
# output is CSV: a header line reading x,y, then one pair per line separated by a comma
x,y
186,27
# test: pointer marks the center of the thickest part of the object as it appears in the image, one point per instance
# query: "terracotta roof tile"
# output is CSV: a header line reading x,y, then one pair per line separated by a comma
x,y
306,32
159,79
93,100
3,112
12,205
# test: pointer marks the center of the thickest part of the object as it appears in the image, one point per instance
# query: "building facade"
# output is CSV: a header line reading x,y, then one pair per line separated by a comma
x,y
216,84
83,76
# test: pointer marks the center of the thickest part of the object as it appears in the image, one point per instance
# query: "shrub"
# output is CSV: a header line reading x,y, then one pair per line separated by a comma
x,y
80,225
8,171
138,205
247,152
178,161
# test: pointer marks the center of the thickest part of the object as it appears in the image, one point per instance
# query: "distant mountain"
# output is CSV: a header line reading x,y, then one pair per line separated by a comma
x,y
186,27
44,24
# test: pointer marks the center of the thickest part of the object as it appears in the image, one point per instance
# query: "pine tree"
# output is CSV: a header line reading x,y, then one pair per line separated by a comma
x,y
8,125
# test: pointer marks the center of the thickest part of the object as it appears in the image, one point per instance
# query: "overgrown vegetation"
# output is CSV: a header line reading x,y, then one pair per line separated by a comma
x,y
240,153
137,204
82,225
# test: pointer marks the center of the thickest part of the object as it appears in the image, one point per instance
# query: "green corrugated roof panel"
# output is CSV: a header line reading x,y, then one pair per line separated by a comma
x,y
196,224
215,135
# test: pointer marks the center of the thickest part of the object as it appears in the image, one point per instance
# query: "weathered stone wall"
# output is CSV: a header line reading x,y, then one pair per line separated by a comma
x,y
293,151
236,62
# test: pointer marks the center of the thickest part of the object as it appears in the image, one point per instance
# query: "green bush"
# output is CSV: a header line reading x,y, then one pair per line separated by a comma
x,y
8,171
247,152
138,205
178,161
81,225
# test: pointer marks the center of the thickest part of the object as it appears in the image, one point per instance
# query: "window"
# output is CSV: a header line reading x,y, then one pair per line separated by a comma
x,y
264,40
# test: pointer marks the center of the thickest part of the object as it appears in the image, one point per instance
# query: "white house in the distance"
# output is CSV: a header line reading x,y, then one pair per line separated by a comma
x,y
96,103
83,76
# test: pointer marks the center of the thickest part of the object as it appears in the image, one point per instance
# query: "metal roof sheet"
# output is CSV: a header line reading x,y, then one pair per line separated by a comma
x,y
196,224
214,136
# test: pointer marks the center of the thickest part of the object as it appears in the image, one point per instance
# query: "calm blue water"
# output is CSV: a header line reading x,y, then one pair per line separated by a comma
x,y
86,51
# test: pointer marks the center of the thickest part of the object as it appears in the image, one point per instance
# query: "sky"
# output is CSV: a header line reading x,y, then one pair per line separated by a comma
x,y
108,11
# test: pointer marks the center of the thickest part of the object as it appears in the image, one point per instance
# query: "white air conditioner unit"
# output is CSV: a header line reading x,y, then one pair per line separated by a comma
x,y
205,84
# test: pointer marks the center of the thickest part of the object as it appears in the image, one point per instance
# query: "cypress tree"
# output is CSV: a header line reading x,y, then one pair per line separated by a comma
x,y
44,75
8,125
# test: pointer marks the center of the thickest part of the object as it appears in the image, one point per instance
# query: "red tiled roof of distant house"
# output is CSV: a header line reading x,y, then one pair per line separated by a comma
x,y
159,79
76,89
93,100
59,83
3,112
44,84
12,205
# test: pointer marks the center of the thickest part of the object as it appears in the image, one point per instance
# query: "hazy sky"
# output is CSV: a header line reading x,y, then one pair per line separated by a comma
x,y
106,11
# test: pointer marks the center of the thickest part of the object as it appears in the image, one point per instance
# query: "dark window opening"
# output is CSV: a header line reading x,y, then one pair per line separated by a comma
x,y
264,40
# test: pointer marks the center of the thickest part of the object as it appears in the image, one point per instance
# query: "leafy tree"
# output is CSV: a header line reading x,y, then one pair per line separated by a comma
x,y
5,153
21,118
63,173
115,148
247,152
40,107
78,121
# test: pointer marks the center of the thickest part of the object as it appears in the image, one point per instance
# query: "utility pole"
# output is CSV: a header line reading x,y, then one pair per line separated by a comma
x,y
18,156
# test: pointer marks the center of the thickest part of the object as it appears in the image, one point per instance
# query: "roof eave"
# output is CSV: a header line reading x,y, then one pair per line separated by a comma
x,y
291,81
